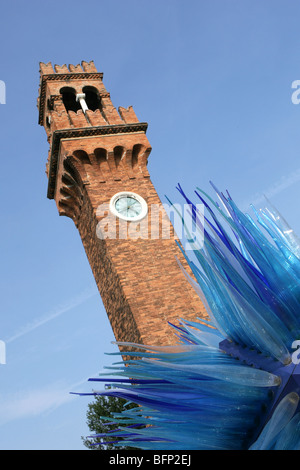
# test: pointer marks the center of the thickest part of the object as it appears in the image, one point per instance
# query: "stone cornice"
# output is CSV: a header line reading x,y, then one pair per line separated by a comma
x,y
61,77
79,133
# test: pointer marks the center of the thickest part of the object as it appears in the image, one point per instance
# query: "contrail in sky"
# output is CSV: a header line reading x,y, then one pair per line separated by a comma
x,y
56,312
284,183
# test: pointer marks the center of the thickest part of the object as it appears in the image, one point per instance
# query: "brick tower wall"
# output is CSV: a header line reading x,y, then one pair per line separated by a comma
x,y
93,155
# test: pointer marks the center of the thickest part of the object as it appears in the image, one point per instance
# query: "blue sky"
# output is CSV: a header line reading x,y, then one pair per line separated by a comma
x,y
213,80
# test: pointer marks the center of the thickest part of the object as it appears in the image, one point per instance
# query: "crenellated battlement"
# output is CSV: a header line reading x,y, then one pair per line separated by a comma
x,y
74,104
75,76
79,91
84,67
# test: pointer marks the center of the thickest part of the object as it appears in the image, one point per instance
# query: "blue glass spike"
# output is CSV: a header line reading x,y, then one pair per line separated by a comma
x,y
282,243
225,215
222,198
284,227
282,415
289,437
204,327
220,232
284,254
247,258
255,301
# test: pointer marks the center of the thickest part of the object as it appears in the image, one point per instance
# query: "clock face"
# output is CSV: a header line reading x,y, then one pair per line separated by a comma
x,y
128,206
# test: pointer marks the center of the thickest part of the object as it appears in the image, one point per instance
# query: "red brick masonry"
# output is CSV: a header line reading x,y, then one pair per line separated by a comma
x,y
92,156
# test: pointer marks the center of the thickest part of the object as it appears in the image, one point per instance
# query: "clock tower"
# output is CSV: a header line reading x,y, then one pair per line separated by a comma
x,y
97,175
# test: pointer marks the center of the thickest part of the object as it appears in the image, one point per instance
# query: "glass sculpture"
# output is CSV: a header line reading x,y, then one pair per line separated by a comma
x,y
231,382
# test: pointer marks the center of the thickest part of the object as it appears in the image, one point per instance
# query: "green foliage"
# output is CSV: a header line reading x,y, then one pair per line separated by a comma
x,y
103,407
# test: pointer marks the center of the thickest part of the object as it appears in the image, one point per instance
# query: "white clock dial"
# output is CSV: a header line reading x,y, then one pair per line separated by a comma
x,y
128,206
